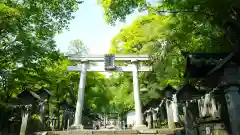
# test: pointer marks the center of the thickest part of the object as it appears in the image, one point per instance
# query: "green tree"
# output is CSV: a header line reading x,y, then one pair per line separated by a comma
x,y
27,31
167,36
120,90
27,45
189,26
118,9
77,47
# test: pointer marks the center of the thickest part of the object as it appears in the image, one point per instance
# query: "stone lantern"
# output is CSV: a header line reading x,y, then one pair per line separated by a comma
x,y
188,92
29,99
68,114
168,91
45,95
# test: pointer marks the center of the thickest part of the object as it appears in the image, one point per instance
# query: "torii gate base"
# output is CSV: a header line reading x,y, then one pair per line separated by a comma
x,y
86,67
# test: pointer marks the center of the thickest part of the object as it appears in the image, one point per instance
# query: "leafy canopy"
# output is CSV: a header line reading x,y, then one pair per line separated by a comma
x,y
169,29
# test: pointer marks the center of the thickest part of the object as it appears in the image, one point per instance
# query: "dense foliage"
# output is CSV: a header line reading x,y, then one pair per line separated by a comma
x,y
167,30
29,59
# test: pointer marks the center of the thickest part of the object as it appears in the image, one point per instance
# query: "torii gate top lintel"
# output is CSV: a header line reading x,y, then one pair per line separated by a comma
x,y
100,58
109,59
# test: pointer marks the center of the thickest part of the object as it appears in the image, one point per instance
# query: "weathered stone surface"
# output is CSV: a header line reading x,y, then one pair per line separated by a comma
x,y
76,127
149,131
115,132
126,132
169,131
103,132
147,134
87,132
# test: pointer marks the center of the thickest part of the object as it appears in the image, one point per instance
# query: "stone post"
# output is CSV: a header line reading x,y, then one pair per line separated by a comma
x,y
79,107
58,121
105,120
149,118
231,79
119,122
54,123
138,108
154,115
42,112
68,123
25,116
65,119
169,114
175,109
71,118
188,130
190,118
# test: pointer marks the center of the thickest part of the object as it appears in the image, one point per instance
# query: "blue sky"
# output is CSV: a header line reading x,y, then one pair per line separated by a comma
x,y
90,27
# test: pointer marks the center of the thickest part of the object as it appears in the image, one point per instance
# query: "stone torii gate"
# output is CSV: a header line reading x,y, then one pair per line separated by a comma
x,y
109,66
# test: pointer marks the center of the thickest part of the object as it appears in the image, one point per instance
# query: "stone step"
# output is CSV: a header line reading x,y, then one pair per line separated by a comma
x,y
114,132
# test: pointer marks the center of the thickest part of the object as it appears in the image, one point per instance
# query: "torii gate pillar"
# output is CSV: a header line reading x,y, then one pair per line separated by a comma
x,y
136,90
79,106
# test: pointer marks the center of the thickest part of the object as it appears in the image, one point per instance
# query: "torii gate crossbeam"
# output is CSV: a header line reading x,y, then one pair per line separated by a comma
x,y
85,67
100,58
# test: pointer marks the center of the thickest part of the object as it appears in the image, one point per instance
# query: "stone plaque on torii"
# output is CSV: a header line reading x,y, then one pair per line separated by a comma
x,y
108,60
